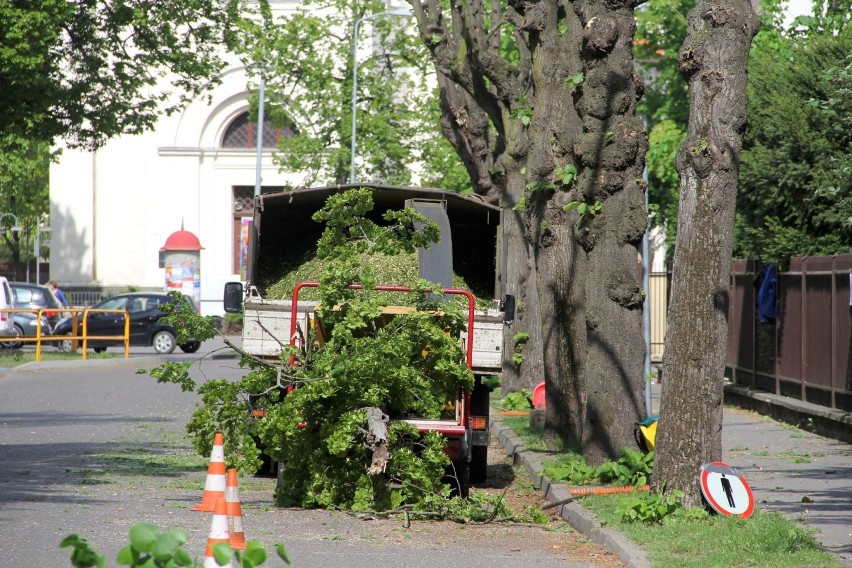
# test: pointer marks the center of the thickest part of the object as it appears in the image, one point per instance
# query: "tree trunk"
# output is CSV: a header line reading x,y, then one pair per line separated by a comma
x,y
591,300
553,126
714,61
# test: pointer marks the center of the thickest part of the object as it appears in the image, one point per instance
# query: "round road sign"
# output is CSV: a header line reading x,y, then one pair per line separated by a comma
x,y
726,492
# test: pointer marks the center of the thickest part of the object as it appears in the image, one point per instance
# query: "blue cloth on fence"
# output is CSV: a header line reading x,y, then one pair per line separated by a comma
x,y
766,295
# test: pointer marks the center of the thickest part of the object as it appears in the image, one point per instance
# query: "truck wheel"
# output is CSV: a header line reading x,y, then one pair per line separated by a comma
x,y
164,342
191,347
479,464
458,476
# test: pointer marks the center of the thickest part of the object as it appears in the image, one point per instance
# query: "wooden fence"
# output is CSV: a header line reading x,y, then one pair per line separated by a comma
x,y
805,352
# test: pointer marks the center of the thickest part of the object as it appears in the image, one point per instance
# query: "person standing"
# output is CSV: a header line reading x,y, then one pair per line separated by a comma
x,y
54,287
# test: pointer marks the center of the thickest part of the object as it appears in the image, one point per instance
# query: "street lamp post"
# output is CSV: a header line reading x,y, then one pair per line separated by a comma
x,y
16,228
37,249
401,12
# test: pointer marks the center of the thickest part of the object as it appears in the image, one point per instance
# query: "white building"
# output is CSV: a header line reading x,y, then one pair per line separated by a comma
x,y
112,210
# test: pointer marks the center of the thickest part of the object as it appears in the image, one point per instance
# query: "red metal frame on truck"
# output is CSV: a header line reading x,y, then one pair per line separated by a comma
x,y
458,430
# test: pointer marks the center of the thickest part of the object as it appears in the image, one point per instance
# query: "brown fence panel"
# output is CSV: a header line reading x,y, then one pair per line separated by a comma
x,y
842,341
807,353
789,339
741,322
816,370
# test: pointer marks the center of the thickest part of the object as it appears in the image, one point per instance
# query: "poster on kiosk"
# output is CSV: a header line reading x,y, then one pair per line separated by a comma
x,y
182,261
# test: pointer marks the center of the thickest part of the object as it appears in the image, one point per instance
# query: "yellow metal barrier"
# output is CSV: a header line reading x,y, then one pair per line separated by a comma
x,y
38,339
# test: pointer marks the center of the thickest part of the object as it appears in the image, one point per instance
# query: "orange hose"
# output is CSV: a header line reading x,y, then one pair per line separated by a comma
x,y
577,491
513,412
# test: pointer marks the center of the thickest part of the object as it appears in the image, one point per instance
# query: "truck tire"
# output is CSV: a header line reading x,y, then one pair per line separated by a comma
x,y
479,464
458,476
191,347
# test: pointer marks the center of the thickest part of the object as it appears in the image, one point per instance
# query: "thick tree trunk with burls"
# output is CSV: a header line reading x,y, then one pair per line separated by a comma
x,y
714,60
545,126
587,261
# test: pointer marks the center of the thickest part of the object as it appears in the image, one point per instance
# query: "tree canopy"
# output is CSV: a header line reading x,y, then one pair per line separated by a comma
x,y
796,166
307,61
87,71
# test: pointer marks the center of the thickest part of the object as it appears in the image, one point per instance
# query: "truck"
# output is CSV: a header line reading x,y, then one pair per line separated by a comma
x,y
469,248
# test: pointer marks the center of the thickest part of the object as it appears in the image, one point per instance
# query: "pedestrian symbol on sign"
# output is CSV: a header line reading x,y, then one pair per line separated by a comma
x,y
725,491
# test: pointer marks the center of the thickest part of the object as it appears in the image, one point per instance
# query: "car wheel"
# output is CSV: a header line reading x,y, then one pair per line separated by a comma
x,y
191,347
164,342
65,345
19,331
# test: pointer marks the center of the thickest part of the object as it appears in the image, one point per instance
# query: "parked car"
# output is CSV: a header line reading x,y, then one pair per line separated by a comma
x,y
143,309
33,297
7,300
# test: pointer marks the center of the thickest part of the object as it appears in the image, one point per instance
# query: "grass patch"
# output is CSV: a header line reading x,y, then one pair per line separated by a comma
x,y
521,426
133,462
16,357
765,540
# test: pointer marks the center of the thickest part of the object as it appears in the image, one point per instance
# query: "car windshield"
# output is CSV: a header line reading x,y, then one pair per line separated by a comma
x,y
39,297
119,303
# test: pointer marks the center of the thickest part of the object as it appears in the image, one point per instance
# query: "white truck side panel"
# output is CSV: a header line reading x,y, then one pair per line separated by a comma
x,y
266,325
266,330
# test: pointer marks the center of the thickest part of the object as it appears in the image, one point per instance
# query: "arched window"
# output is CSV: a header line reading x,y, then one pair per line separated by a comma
x,y
243,134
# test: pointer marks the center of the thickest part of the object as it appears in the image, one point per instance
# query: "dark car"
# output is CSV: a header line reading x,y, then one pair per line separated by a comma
x,y
33,297
143,309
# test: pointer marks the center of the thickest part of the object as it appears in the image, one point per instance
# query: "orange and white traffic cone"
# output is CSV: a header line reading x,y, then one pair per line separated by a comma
x,y
218,533
235,513
214,485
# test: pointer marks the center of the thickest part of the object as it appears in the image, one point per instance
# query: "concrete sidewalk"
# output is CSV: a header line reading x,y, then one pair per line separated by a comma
x,y
804,476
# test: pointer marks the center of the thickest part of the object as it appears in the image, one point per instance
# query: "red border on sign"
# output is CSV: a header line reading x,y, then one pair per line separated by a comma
x,y
718,508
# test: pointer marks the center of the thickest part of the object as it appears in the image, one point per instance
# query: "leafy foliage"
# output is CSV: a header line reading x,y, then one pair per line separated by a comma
x,y
660,31
24,189
518,400
408,365
151,548
632,468
796,165
92,70
306,58
651,507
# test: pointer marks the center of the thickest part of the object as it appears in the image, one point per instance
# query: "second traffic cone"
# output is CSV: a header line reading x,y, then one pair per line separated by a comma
x,y
214,485
218,533
235,513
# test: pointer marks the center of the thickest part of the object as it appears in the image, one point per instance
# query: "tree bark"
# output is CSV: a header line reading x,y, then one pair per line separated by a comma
x,y
714,61
553,125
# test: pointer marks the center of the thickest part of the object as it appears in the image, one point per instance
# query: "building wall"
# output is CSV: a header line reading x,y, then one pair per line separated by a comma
x,y
113,209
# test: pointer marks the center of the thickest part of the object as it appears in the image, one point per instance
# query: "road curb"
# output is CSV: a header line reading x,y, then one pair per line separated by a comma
x,y
582,520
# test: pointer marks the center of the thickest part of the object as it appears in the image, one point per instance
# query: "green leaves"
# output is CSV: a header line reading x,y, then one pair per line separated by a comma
x,y
151,547
651,507
575,81
796,159
586,210
522,111
566,174
82,554
88,72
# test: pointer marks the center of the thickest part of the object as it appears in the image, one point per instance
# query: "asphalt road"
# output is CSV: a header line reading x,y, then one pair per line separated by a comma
x,y
92,448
